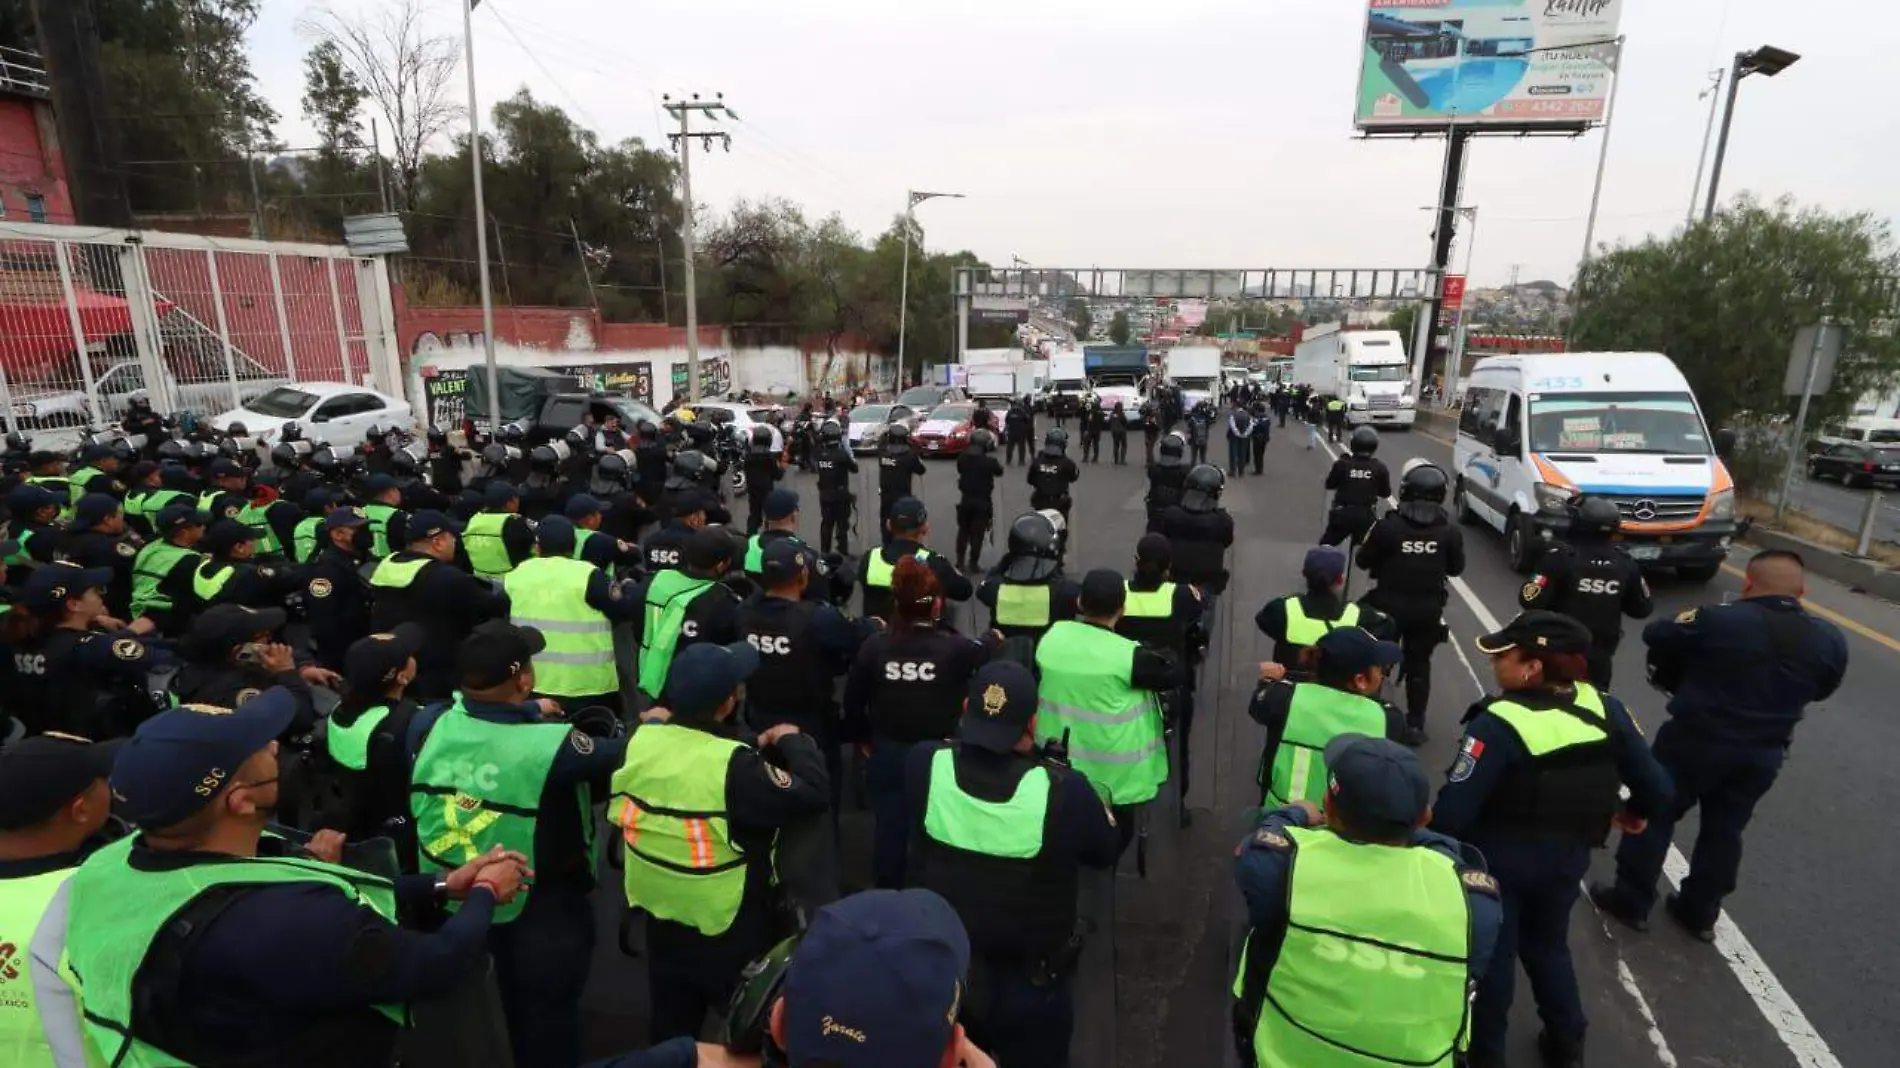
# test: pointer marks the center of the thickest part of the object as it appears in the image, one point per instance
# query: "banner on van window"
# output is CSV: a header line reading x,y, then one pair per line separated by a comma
x,y
1512,64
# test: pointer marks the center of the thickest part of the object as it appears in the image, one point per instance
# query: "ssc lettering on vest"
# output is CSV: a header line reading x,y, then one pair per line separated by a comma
x,y
770,644
910,671
1419,547
481,776
29,663
1606,587
668,557
1049,470
1369,957
1359,472
690,628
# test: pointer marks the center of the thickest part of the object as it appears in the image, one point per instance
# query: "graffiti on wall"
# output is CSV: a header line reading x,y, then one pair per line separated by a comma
x,y
715,377
445,391
430,341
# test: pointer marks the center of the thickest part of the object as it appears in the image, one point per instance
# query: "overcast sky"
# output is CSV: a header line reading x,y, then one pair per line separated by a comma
x,y
1194,133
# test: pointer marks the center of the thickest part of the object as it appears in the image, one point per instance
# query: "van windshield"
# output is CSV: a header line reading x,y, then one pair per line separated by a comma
x,y
1389,372
1663,423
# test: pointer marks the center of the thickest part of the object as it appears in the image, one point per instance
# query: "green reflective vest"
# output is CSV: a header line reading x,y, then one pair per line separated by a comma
x,y
477,785
1546,731
1010,829
208,500
755,555
23,555
60,484
118,910
1297,769
1302,629
146,503
393,574
1157,603
379,516
487,553
549,593
1115,735
210,578
23,904
581,534
669,595
349,746
1335,405
155,561
878,571
258,519
1019,605
669,801
80,479
1375,968
303,541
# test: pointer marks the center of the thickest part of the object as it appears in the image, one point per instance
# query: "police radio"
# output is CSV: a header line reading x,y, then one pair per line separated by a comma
x,y
1055,751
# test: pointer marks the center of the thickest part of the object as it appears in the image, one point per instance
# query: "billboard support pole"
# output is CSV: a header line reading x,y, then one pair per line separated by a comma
x,y
1444,227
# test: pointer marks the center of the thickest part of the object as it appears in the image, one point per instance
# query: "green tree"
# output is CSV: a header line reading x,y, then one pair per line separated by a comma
x,y
1405,322
1725,298
1083,319
1118,331
333,101
408,74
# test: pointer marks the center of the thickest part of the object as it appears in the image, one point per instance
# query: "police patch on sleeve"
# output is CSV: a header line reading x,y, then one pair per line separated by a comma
x,y
1480,881
320,587
779,777
582,743
246,694
1467,761
1687,616
1532,590
128,649
1274,840
125,548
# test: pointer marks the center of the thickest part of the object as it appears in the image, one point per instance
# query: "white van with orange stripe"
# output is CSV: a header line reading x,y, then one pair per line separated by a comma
x,y
1539,431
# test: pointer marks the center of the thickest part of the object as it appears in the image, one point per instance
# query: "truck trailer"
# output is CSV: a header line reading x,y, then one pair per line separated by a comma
x,y
1368,369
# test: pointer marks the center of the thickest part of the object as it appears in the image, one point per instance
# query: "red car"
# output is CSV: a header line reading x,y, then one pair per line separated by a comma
x,y
944,430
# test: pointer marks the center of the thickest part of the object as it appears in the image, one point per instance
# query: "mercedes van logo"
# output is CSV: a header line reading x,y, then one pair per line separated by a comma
x,y
1644,510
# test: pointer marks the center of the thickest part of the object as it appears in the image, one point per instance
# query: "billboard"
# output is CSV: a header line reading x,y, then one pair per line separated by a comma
x,y
1429,64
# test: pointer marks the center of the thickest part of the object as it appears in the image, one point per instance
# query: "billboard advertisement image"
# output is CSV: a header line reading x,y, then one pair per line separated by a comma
x,y
1513,64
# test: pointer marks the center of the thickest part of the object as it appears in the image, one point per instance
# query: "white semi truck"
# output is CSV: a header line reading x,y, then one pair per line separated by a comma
x,y
1368,369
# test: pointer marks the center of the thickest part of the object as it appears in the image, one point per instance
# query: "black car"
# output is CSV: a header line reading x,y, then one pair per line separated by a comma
x,y
1856,465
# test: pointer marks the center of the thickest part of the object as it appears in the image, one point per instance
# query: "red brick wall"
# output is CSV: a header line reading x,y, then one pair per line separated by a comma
x,y
30,160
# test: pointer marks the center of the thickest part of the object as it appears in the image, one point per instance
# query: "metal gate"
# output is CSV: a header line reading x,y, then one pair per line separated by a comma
x,y
90,317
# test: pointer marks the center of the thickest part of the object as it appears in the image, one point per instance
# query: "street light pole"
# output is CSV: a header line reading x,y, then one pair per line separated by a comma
x,y
481,225
1457,361
1767,61
912,198
1603,155
1714,93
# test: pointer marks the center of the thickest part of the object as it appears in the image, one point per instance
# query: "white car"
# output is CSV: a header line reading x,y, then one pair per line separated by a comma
x,y
864,427
743,417
333,412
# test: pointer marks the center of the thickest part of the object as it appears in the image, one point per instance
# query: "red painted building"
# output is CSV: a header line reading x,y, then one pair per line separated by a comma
x,y
32,167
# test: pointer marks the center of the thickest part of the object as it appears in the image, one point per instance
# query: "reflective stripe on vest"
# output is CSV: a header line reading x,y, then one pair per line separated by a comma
x,y
210,578
117,911
1157,603
1375,966
1115,729
23,904
349,746
303,541
258,519
487,553
1010,829
549,593
478,784
1021,606
1317,715
878,571
379,516
394,574
1302,629
154,562
669,595
669,801
148,503
1545,731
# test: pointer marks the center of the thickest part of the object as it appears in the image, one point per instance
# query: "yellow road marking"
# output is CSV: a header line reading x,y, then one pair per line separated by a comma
x,y
1833,617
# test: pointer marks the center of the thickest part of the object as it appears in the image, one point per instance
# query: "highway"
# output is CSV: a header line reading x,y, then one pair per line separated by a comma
x,y
1837,506
1799,978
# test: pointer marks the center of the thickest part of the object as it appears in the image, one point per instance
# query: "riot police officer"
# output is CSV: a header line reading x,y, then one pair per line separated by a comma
x,y
763,469
1593,581
1163,614
1014,882
897,464
162,571
1028,591
97,538
1359,482
687,605
836,465
1093,422
650,461
1411,554
67,676
906,532
1051,475
498,537
1118,434
1166,476
977,472
905,687
336,595
1019,425
229,575
1200,531
694,486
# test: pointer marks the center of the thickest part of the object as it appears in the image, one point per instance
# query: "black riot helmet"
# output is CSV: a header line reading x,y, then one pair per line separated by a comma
x,y
1365,441
762,438
1173,448
831,433
1032,534
694,465
1056,440
1596,518
1422,489
898,434
647,429
1204,479
982,440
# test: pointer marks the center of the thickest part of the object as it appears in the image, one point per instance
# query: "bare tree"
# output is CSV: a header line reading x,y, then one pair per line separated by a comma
x,y
407,72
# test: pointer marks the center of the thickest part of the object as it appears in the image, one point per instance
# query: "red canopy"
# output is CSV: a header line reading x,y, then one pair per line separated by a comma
x,y
35,336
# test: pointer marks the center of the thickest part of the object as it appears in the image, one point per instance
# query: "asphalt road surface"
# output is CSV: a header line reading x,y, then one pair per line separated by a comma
x,y
1837,506
1800,977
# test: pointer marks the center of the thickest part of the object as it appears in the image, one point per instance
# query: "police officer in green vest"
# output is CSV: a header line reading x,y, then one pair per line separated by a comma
x,y
1535,786
36,513
688,605
147,496
495,768
1335,419
47,470
53,805
699,811
498,537
1028,592
1354,905
908,527
603,550
268,953
229,573
575,606
382,502
226,486
1003,835
780,512
306,539
1341,696
162,572
97,537
366,739
1164,614
421,584
272,519
1099,690
1297,622
98,473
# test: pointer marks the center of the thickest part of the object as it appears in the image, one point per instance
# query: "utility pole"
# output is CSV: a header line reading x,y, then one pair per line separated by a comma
x,y
1714,96
481,223
376,150
586,272
912,198
683,110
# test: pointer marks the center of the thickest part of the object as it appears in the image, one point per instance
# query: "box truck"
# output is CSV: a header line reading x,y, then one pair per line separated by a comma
x,y
1367,369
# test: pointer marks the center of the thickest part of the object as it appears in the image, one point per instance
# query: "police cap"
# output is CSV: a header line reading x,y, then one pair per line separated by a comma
x,y
999,706
781,504
1376,784
703,675
182,759
42,774
93,509
49,588
495,652
1538,631
373,662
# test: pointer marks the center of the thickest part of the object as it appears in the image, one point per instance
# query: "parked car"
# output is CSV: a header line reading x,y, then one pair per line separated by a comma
x,y
335,412
53,401
1857,465
864,428
923,398
946,430
743,417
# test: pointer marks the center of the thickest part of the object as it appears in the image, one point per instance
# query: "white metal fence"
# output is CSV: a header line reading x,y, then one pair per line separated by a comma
x,y
88,317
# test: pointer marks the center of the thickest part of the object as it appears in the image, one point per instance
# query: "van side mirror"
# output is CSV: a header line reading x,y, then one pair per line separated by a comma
x,y
1505,441
1725,443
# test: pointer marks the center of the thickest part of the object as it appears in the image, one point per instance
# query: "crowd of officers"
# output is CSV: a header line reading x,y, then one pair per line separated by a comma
x,y
232,865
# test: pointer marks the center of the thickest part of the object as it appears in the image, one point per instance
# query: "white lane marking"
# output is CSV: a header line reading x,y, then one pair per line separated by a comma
x,y
1776,1005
